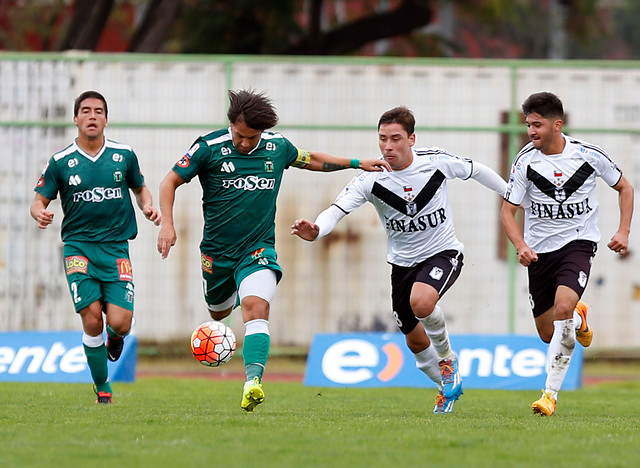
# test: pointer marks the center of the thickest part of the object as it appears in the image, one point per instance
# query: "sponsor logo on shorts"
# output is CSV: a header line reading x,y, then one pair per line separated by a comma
x,y
76,264
257,253
125,272
582,279
207,263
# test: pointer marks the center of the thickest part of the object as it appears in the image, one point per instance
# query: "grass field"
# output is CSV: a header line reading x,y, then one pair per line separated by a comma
x,y
197,422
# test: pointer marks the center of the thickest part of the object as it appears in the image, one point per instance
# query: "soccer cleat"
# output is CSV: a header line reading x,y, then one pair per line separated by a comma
x,y
114,348
451,381
545,406
252,395
104,398
444,404
584,334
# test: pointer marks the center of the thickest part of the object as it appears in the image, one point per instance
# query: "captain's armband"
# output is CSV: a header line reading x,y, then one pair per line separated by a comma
x,y
303,159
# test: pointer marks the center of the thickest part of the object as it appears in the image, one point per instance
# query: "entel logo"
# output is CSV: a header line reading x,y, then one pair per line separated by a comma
x,y
352,361
41,359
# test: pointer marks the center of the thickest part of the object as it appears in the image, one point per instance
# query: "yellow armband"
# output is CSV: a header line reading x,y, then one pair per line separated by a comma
x,y
303,159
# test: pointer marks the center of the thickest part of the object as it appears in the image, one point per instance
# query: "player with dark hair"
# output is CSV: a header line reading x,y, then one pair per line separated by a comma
x,y
424,253
240,169
93,177
554,178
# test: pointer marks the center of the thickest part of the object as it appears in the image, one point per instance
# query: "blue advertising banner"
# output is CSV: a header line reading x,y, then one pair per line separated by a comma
x,y
509,362
57,357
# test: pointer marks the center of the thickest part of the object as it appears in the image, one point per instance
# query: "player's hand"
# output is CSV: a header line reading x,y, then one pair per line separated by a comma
x,y
166,239
305,229
152,214
44,218
619,243
526,256
374,165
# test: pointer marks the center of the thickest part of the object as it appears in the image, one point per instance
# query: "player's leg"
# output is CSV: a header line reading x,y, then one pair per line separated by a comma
x,y
435,276
118,299
95,350
256,292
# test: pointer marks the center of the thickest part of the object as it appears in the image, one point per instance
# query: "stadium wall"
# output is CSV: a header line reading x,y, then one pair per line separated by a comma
x,y
160,104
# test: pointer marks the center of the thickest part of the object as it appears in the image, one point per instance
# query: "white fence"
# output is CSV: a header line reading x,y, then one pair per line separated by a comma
x,y
160,104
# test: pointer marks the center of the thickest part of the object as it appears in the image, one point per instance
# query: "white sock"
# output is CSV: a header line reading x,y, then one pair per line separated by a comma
x,y
559,354
436,329
577,320
427,361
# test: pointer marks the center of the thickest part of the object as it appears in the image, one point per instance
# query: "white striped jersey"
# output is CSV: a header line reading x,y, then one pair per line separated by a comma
x,y
557,193
412,204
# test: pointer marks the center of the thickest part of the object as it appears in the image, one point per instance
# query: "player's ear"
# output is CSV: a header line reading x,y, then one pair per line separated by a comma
x,y
412,139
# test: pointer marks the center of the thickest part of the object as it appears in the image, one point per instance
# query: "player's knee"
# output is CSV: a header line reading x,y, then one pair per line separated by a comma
x,y
220,315
422,306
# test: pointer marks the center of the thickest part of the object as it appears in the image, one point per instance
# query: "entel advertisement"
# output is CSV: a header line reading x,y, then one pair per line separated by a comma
x,y
57,357
508,362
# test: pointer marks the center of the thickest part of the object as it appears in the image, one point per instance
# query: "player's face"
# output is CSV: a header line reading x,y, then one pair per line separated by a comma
x,y
244,138
91,118
395,145
544,133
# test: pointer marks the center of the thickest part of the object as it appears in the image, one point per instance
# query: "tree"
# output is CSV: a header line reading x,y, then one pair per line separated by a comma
x,y
86,26
153,30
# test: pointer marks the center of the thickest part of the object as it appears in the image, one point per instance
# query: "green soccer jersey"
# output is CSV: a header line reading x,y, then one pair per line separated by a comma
x,y
94,191
239,191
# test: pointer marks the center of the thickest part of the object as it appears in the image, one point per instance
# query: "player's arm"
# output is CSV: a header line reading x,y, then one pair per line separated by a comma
x,y
620,241
39,211
167,235
319,161
488,177
324,224
145,203
508,217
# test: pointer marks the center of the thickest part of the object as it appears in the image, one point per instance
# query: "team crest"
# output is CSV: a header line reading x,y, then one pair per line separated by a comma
x,y
412,209
128,296
117,176
268,166
256,254
560,195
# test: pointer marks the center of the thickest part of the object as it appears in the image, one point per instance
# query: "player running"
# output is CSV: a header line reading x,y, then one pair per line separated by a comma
x,y
425,255
240,170
93,176
554,178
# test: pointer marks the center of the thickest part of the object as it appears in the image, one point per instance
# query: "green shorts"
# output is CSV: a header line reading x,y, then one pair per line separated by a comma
x,y
221,278
99,271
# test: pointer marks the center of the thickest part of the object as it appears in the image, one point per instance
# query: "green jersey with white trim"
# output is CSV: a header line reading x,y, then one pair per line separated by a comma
x,y
239,191
94,191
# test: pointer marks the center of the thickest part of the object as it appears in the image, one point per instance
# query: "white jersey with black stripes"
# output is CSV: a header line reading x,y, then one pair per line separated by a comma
x,y
557,193
412,204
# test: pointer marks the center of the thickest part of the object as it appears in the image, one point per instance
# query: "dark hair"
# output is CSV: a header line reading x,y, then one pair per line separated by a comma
x,y
400,115
255,109
548,105
89,95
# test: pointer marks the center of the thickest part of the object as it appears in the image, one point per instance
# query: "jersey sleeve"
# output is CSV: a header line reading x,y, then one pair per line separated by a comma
x,y
607,169
454,167
188,165
516,187
47,185
135,179
356,193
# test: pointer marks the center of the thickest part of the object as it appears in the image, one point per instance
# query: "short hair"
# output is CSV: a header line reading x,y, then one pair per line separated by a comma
x,y
255,109
401,115
89,95
548,105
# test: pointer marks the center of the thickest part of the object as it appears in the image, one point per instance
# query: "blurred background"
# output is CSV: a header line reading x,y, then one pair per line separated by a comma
x,y
331,68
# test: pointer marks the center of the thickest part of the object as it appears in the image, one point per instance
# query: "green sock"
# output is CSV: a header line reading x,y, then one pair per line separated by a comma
x,y
255,352
97,360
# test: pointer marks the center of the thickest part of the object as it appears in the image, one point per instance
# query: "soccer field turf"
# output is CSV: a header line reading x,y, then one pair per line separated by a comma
x,y
197,422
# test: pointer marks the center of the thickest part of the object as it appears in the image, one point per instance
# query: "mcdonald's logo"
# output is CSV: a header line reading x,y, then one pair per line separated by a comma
x,y
125,272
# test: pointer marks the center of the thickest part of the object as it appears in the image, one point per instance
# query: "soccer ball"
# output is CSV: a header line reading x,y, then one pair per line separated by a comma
x,y
213,343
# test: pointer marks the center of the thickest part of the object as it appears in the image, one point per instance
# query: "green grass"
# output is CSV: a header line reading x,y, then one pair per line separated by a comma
x,y
168,422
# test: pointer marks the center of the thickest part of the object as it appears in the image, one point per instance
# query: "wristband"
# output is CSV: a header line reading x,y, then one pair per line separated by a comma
x,y
355,163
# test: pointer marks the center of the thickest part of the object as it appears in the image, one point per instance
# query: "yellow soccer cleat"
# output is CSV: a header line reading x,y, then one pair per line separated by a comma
x,y
252,395
584,334
545,406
